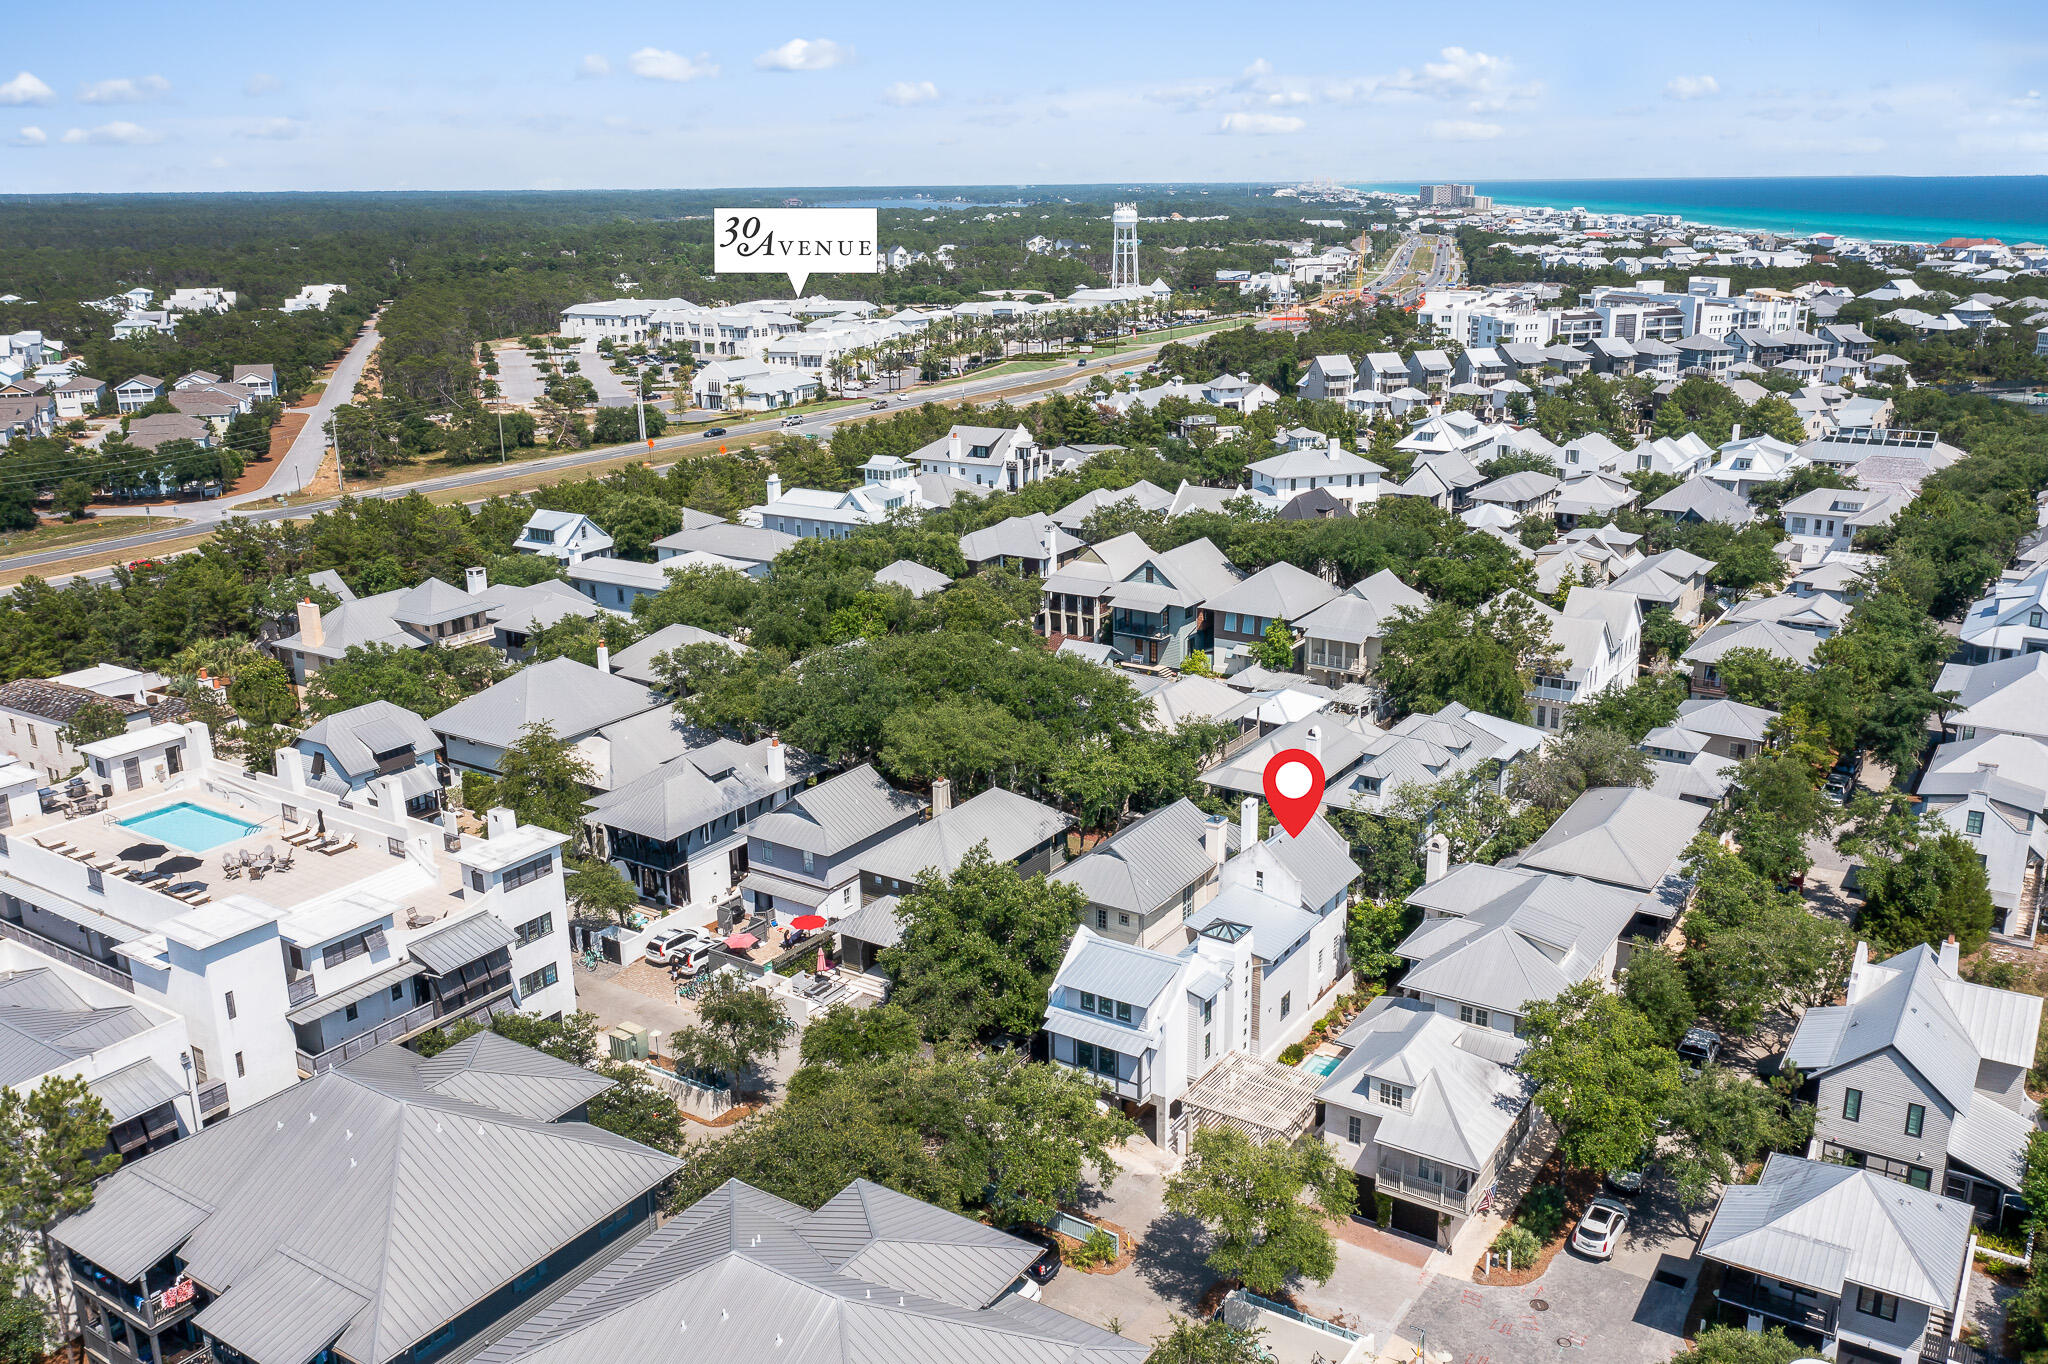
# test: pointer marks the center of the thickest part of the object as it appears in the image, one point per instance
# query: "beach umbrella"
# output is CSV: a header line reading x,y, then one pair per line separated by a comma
x,y
821,961
806,922
322,824
740,942
141,852
182,862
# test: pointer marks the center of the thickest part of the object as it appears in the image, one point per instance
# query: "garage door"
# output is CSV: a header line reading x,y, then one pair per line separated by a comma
x,y
1416,1220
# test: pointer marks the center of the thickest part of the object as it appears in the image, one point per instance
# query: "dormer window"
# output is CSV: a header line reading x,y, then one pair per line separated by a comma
x,y
1392,1095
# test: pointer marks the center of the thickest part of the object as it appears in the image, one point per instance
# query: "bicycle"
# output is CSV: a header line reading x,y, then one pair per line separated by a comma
x,y
590,959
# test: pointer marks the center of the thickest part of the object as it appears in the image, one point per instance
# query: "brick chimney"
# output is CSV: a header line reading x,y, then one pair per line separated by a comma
x,y
310,628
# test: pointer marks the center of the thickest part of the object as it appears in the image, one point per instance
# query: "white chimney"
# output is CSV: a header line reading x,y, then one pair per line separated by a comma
x,y
499,822
291,769
476,580
778,761
310,628
604,658
942,796
1436,858
1216,838
1737,434
774,488
1248,817
1951,955
1315,741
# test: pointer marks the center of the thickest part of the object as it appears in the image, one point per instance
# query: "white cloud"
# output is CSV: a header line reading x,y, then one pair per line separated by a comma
x,y
1186,97
1289,97
275,129
594,66
26,89
658,65
1260,125
1464,130
30,137
124,91
1692,87
122,132
262,83
910,92
805,54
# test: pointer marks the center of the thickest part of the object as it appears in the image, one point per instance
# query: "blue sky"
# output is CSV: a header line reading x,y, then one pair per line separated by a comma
x,y
433,95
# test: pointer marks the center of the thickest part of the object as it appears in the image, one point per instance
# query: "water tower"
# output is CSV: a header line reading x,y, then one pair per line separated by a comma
x,y
1123,245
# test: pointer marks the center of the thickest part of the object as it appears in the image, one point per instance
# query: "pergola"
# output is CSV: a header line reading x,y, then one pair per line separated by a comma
x,y
1265,1100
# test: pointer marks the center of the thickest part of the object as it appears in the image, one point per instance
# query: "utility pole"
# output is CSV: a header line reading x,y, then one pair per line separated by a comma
x,y
501,438
640,401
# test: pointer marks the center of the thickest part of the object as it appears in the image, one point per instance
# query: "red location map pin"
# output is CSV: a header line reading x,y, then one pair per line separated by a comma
x,y
1294,788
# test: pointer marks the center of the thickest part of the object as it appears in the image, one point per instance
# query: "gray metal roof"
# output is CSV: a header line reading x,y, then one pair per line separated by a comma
x,y
1624,836
834,815
744,1276
574,698
1509,935
491,1070
1011,825
1280,592
434,602
705,782
1460,1097
874,922
1121,970
45,1025
912,576
422,1203
753,544
368,986
135,1089
1144,865
356,736
456,944
635,662
1827,1227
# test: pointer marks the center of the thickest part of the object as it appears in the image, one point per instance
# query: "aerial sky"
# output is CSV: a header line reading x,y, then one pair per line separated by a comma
x,y
124,96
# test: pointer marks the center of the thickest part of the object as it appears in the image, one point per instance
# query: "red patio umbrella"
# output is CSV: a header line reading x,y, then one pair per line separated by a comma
x,y
807,922
740,942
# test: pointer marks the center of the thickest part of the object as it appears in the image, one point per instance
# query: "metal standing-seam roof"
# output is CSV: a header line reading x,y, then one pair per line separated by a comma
x,y
45,1025
1011,825
499,1073
1121,970
456,944
912,577
574,698
1147,863
1461,1098
135,1089
356,736
742,1275
1622,835
1826,1226
422,1203
835,815
635,662
874,922
1507,935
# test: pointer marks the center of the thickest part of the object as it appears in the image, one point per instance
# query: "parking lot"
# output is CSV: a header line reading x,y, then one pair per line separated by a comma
x,y
519,379
1579,1310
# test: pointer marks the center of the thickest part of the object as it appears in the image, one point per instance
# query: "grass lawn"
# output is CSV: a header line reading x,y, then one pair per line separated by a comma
x,y
57,534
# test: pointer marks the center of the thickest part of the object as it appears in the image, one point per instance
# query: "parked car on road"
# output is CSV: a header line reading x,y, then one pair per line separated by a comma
x,y
674,946
1699,1047
792,421
1599,1232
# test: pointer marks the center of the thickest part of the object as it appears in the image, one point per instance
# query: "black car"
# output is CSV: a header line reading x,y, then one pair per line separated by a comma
x,y
1043,1269
714,431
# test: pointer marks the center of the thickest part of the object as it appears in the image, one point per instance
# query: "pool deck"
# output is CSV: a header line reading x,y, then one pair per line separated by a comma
x,y
102,838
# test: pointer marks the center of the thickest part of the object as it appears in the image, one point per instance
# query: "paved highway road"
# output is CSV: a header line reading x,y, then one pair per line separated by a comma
x,y
202,516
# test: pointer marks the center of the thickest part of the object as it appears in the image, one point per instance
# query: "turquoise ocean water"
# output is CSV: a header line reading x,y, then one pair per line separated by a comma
x,y
2013,208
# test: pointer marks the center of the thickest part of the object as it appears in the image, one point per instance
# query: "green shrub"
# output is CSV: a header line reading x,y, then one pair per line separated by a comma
x,y
1542,1212
1516,1246
1292,1056
1382,1209
1098,1249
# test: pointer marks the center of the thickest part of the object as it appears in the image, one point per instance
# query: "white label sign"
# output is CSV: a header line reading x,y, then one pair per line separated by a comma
x,y
797,242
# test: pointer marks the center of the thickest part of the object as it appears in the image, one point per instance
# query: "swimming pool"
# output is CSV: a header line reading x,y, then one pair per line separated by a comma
x,y
1320,1065
191,827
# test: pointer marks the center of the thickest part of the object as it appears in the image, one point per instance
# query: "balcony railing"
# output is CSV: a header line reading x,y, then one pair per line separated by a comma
x,y
1752,1295
145,1309
404,1025
49,947
213,1098
1391,1179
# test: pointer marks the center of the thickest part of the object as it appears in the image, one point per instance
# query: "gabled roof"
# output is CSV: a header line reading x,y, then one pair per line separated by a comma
x,y
635,662
573,697
1725,719
1461,1100
743,1276
1621,835
1781,641
1511,935
357,736
1011,825
1019,537
834,815
1363,612
703,783
45,1025
2009,694
913,577
1146,864
407,1205
1279,592
1830,1227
